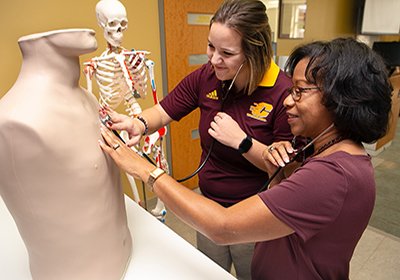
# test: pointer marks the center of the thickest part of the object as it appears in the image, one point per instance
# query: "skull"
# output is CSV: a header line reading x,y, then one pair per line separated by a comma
x,y
111,16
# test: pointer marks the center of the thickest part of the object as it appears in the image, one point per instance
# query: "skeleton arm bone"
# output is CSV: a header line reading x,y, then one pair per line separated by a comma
x,y
89,70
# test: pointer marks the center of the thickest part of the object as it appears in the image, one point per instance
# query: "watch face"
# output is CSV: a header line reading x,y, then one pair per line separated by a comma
x,y
154,176
157,172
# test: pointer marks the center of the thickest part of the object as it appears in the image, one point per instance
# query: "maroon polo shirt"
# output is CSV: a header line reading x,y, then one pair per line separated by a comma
x,y
228,177
328,203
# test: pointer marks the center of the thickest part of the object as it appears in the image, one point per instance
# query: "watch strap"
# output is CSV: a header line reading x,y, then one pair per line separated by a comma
x,y
245,145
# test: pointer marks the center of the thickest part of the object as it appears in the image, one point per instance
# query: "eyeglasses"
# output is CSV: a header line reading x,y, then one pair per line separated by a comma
x,y
296,91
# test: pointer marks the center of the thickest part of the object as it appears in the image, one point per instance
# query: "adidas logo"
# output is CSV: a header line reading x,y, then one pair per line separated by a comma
x,y
212,95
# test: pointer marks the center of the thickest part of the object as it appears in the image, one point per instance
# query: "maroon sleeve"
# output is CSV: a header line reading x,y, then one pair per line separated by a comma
x,y
310,199
184,98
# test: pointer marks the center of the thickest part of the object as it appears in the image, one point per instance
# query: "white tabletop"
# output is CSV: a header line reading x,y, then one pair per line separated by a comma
x,y
158,252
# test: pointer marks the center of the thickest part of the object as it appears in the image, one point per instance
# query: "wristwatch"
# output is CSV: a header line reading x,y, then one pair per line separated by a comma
x,y
245,145
154,175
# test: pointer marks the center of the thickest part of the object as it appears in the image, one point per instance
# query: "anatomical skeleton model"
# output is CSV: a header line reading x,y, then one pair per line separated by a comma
x,y
119,73
122,75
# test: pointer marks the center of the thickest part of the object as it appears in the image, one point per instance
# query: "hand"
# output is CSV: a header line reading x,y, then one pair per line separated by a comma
x,y
277,154
122,122
127,159
226,130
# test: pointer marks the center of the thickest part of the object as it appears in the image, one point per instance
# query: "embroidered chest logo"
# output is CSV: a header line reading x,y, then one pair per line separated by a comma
x,y
212,95
260,111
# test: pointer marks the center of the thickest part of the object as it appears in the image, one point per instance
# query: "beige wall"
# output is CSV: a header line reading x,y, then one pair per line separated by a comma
x,y
23,17
325,20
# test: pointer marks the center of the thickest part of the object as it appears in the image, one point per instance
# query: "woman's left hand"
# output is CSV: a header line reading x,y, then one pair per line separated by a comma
x,y
124,157
226,130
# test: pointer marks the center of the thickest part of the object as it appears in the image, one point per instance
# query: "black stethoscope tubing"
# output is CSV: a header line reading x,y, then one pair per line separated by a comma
x,y
224,97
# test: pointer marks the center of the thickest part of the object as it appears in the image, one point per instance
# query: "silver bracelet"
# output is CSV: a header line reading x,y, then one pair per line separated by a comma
x,y
146,126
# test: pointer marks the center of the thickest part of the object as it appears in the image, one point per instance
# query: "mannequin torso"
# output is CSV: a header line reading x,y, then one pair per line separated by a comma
x,y
63,192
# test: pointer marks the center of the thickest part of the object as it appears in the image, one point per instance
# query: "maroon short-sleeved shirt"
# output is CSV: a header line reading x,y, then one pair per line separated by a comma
x,y
328,203
228,177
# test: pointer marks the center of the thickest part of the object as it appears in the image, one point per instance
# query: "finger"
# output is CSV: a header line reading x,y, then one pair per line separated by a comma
x,y
115,117
109,137
108,108
122,123
288,146
133,148
274,151
213,125
114,125
108,117
133,141
105,147
105,106
217,118
222,115
286,151
268,157
281,155
102,112
107,140
212,132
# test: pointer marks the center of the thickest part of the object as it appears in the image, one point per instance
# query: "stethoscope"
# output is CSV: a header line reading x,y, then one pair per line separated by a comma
x,y
295,157
201,166
224,97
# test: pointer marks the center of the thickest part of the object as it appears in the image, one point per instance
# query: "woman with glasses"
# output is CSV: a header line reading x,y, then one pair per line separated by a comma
x,y
341,97
240,93
306,225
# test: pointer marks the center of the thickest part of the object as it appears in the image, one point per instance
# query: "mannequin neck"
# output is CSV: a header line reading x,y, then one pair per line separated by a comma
x,y
41,58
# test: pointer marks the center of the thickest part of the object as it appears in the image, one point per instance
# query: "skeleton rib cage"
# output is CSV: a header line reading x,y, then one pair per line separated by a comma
x,y
119,76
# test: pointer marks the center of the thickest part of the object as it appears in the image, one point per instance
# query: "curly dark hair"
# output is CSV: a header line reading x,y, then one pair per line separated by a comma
x,y
354,82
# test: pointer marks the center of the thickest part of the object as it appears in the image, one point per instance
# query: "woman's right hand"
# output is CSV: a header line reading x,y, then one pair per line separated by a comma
x,y
132,126
277,155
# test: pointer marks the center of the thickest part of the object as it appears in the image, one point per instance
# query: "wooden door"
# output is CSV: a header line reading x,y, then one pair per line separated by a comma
x,y
186,33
